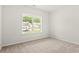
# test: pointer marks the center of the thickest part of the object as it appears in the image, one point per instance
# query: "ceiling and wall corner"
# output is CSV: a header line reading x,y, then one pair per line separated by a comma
x,y
47,8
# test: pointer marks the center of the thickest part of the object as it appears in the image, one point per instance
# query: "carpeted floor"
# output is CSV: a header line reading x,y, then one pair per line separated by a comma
x,y
42,46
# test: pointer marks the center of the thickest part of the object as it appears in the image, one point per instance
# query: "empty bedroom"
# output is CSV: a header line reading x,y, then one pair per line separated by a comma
x,y
39,28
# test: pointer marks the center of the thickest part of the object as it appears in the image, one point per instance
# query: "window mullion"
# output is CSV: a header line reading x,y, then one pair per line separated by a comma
x,y
32,24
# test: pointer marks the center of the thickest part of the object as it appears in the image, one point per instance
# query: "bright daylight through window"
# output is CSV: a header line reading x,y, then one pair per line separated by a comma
x,y
31,24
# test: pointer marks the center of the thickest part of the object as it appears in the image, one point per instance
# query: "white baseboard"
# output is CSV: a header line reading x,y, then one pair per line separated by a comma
x,y
21,41
73,42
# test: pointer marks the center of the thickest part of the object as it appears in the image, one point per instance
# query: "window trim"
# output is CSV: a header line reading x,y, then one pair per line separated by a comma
x,y
41,29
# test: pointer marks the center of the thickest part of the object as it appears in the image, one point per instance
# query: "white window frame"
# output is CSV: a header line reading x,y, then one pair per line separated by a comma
x,y
32,21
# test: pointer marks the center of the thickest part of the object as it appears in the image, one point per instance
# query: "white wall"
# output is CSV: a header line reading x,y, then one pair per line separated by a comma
x,y
11,24
65,24
0,26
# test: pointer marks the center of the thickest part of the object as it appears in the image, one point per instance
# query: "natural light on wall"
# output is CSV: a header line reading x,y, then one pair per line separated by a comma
x,y
31,24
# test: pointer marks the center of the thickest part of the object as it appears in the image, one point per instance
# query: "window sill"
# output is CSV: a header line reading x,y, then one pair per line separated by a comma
x,y
31,32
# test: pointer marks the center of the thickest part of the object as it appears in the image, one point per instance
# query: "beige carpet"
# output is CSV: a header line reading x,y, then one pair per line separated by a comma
x,y
42,46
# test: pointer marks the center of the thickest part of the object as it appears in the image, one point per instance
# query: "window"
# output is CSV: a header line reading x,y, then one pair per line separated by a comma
x,y
31,24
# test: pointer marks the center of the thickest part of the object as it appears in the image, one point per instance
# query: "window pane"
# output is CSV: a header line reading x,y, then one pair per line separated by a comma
x,y
27,23
36,24
36,19
27,19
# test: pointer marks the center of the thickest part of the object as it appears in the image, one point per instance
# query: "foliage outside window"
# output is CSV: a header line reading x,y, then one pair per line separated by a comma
x,y
31,24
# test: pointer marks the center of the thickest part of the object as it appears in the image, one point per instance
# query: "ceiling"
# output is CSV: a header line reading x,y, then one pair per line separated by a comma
x,y
48,8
